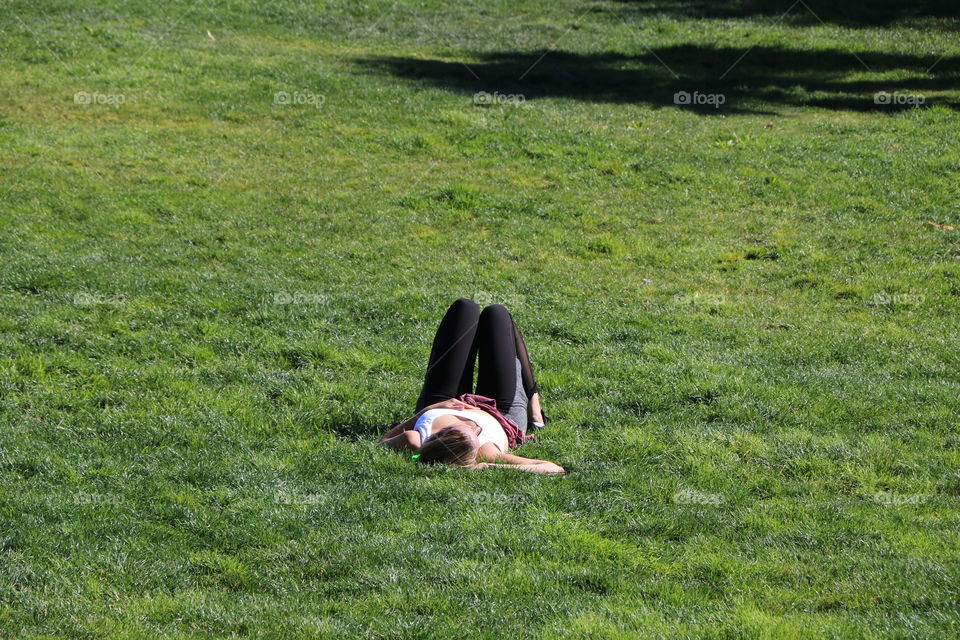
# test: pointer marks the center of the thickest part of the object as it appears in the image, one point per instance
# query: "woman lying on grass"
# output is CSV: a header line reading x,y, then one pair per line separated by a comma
x,y
467,430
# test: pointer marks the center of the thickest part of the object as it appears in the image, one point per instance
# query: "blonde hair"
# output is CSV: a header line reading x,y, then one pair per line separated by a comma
x,y
449,446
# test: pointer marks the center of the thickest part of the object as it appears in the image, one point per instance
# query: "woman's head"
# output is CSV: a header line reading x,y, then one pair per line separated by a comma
x,y
455,445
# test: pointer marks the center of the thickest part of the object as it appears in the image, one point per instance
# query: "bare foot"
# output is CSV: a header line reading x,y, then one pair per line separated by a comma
x,y
536,415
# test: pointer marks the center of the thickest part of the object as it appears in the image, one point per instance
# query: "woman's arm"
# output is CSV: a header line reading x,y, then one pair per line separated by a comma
x,y
490,456
407,440
395,431
407,424
539,466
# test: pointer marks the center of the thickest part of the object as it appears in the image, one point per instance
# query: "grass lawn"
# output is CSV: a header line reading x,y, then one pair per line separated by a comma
x,y
729,232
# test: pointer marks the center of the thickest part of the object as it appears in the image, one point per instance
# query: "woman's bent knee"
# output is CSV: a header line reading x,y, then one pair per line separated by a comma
x,y
465,304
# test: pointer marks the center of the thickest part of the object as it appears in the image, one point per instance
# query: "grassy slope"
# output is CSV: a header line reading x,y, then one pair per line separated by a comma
x,y
211,303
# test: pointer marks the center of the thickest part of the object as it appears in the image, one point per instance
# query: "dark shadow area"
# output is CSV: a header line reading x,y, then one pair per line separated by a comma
x,y
362,431
751,80
845,13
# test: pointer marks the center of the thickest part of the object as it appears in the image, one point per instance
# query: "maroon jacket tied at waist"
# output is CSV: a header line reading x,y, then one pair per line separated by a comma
x,y
515,437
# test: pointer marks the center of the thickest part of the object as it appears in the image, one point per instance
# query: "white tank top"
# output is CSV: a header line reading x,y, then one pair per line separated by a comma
x,y
490,429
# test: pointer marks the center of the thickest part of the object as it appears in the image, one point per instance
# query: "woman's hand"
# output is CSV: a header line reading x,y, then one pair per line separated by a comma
x,y
452,403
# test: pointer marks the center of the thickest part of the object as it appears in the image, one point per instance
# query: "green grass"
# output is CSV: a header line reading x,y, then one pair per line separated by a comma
x,y
744,328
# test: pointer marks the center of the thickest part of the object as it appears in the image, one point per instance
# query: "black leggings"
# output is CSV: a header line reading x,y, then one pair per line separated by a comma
x,y
504,373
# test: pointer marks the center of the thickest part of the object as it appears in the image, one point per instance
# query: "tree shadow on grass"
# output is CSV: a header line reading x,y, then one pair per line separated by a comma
x,y
749,79
851,14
